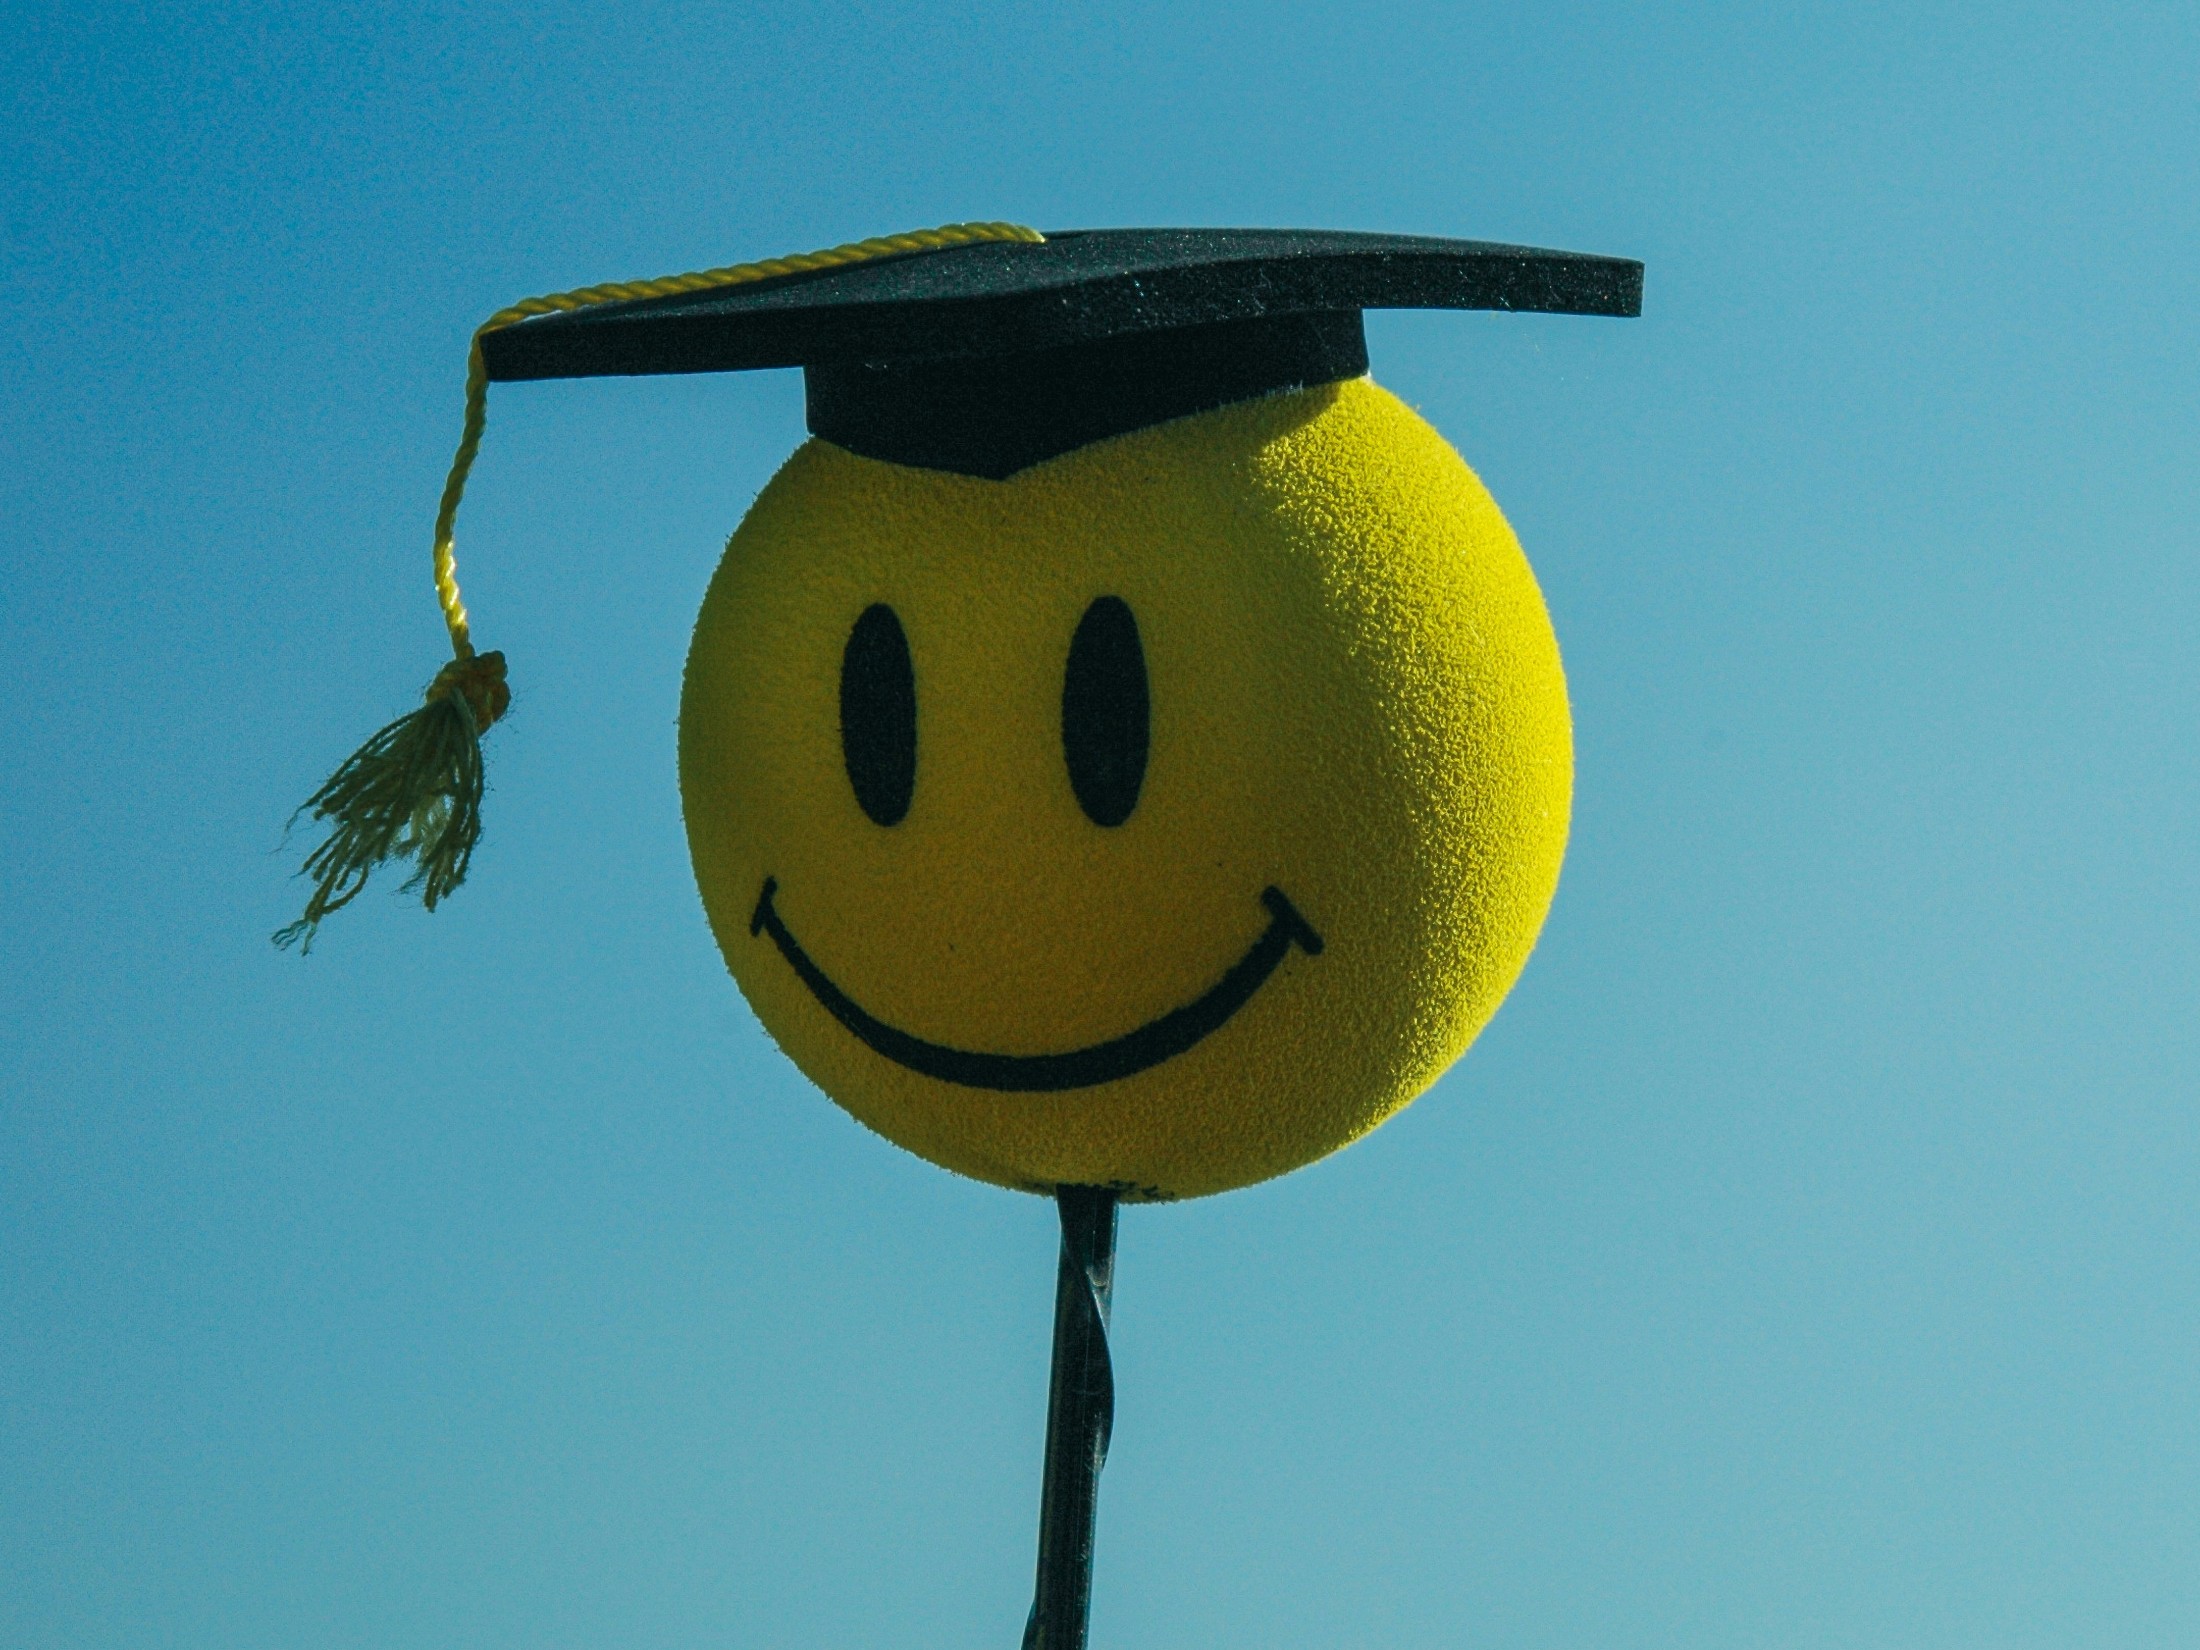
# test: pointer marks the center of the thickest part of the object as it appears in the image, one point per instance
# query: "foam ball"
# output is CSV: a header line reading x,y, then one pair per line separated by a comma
x,y
1163,817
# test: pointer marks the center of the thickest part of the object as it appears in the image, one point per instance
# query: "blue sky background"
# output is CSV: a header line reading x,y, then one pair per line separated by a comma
x,y
1809,1254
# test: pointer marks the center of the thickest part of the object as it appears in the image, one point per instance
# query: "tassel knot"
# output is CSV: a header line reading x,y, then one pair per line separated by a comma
x,y
479,680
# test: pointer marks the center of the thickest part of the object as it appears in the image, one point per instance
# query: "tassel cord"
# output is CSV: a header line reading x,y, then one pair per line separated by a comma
x,y
414,790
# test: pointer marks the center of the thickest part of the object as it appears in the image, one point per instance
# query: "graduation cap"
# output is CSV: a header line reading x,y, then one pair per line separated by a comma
x,y
992,356
980,349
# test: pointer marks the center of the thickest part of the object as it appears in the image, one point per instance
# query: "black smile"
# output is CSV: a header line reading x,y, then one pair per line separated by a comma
x,y
1135,1051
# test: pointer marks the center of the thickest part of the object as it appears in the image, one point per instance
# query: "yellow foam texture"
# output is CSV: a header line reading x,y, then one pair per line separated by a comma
x,y
1356,697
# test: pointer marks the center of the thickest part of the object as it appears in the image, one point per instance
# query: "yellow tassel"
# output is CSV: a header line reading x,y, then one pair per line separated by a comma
x,y
414,790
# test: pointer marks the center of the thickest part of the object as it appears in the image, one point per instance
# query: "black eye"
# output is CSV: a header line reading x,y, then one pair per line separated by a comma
x,y
878,715
1106,715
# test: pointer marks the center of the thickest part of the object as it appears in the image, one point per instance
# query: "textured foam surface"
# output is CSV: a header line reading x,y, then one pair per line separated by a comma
x,y
1355,700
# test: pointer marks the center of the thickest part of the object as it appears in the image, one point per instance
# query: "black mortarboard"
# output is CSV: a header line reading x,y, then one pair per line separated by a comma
x,y
987,357
978,348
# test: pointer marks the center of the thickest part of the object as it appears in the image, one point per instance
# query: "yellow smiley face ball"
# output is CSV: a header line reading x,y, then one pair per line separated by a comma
x,y
1164,816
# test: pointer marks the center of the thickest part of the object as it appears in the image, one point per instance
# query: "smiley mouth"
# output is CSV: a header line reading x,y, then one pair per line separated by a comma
x,y
1135,1051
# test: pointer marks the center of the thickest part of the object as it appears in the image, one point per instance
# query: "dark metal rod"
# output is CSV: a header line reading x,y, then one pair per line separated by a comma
x,y
1080,1415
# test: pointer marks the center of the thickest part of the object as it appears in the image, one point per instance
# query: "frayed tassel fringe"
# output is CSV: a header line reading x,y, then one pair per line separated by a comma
x,y
413,791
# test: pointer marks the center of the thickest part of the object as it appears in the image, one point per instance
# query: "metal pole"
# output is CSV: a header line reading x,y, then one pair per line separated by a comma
x,y
1080,1415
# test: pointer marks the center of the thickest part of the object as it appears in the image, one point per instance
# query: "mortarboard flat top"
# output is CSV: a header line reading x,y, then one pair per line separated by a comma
x,y
988,357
